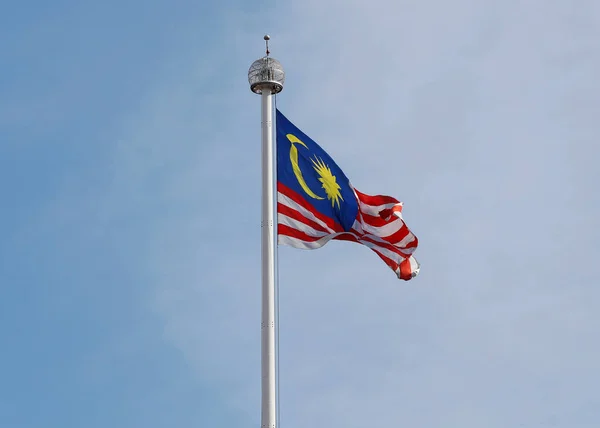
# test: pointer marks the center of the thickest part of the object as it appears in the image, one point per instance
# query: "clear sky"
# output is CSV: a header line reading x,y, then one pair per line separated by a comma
x,y
130,216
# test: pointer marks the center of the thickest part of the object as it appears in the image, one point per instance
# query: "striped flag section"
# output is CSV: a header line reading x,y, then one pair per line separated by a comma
x,y
378,225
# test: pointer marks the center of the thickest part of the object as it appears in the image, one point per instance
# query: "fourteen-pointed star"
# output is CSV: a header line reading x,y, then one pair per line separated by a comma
x,y
327,179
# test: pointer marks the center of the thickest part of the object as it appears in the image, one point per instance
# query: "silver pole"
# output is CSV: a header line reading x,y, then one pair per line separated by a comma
x,y
266,77
268,266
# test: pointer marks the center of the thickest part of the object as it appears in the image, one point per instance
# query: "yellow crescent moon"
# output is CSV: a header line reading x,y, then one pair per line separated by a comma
x,y
297,172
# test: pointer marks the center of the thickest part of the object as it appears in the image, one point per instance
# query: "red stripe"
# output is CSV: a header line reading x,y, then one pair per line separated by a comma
x,y
283,229
391,263
404,266
374,221
387,213
298,216
387,246
347,237
354,238
376,200
385,216
300,201
397,236
405,270
412,244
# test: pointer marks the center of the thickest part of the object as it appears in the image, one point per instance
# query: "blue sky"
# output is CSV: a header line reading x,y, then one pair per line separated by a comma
x,y
129,259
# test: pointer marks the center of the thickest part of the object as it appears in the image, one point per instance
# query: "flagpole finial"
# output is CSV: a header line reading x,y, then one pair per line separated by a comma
x,y
266,73
267,38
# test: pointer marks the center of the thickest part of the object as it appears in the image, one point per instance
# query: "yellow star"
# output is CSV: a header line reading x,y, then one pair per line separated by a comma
x,y
328,181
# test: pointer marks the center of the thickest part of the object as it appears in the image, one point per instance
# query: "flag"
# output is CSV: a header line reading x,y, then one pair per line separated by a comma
x,y
316,203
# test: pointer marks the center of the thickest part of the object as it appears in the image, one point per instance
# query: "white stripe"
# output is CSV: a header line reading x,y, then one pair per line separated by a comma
x,y
386,230
298,225
415,267
388,253
400,245
406,240
299,243
374,210
284,200
357,229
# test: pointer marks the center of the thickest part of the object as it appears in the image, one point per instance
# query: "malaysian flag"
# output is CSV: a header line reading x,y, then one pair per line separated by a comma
x,y
317,203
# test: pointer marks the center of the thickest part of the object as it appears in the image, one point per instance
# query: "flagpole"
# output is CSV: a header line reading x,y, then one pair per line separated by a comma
x,y
266,77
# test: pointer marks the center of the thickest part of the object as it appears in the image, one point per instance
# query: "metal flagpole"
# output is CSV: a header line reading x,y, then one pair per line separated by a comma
x,y
266,77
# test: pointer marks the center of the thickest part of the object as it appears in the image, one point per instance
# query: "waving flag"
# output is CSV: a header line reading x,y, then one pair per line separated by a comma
x,y
317,203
